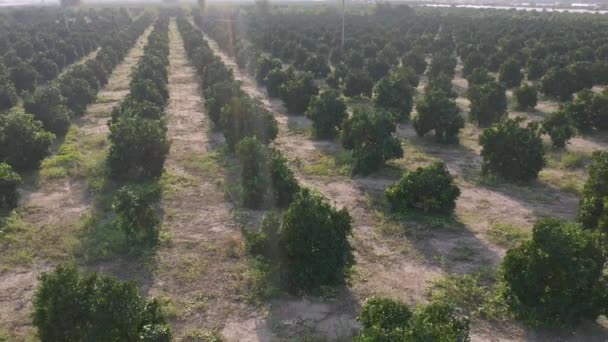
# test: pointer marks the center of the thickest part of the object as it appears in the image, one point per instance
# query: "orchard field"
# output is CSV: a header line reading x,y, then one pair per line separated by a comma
x,y
230,172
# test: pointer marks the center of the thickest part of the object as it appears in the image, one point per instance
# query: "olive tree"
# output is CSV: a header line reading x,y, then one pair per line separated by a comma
x,y
556,278
512,151
327,112
74,306
368,133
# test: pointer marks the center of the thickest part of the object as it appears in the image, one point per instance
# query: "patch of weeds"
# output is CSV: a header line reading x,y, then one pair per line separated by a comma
x,y
568,160
571,182
103,240
328,165
507,235
259,283
479,295
463,253
66,163
203,336
196,303
206,164
168,307
173,184
4,335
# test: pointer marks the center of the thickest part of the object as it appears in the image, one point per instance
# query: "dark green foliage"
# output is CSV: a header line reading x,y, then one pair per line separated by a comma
x,y
583,74
9,181
317,66
136,216
559,83
264,65
510,73
526,97
395,93
218,95
77,92
558,126
313,242
264,243
536,69
428,189
8,95
479,76
474,60
358,83
327,112
276,78
556,278
146,90
74,306
23,141
24,76
46,104
138,148
46,68
511,151
436,111
384,319
488,103
283,182
593,204
244,117
369,134
415,61
588,111
297,92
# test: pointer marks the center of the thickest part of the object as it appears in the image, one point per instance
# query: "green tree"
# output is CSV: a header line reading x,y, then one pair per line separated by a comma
x,y
558,126
368,133
488,103
327,112
559,83
77,92
429,189
74,306
276,78
556,278
358,83
136,216
264,65
416,61
8,95
436,111
395,93
23,141
595,192
9,181
297,92
24,76
510,73
313,241
526,97
479,76
511,151
46,104
245,117
251,155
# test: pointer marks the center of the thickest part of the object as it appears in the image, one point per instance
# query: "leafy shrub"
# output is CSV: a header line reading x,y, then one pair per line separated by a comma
x,y
136,216
512,151
284,183
358,83
9,181
429,189
384,319
595,192
8,95
24,76
313,242
436,111
77,92
327,112
23,141
317,66
218,95
526,96
297,92
276,78
245,117
369,134
46,103
559,83
138,148
479,76
74,306
488,103
264,66
510,73
416,61
559,127
395,93
556,277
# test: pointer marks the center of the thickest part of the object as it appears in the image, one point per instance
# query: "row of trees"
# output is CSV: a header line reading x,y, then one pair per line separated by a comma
x,y
26,138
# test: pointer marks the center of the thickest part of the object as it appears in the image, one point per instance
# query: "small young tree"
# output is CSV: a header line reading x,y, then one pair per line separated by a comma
x,y
297,92
511,151
429,189
556,278
488,103
254,172
23,141
369,134
526,97
138,148
245,117
595,193
9,181
135,215
313,242
384,319
74,306
327,112
395,93
510,73
436,111
558,126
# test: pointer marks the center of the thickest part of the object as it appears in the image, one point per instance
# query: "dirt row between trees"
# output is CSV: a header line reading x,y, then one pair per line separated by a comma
x,y
401,259
50,223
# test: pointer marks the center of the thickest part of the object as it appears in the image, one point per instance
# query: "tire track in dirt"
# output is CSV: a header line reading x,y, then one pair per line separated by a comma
x,y
200,270
54,208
